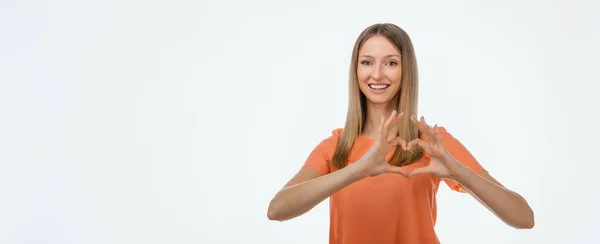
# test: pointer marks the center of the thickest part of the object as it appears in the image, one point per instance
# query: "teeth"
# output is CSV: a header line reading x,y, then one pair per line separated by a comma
x,y
378,87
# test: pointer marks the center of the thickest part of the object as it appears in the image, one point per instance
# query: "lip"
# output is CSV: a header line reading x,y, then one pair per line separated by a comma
x,y
378,91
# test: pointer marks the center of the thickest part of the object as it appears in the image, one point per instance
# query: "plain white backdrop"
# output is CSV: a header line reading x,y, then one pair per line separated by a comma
x,y
178,121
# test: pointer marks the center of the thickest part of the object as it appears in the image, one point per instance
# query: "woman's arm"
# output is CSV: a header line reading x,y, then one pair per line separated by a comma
x,y
296,198
509,206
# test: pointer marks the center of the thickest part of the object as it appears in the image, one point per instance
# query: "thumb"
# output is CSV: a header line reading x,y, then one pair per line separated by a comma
x,y
419,171
397,170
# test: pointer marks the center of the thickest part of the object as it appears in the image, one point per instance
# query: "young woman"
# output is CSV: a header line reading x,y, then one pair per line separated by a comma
x,y
383,169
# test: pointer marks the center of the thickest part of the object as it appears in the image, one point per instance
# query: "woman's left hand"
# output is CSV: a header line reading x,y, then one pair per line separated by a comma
x,y
442,164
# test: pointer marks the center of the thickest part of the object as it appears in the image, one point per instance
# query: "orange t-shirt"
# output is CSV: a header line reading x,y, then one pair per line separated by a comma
x,y
388,208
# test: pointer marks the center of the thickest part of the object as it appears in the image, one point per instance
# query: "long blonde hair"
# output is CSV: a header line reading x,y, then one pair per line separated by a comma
x,y
356,115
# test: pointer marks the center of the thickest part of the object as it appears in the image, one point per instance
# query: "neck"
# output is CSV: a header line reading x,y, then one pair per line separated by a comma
x,y
374,112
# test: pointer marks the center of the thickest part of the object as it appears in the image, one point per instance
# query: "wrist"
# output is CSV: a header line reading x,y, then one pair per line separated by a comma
x,y
456,170
363,168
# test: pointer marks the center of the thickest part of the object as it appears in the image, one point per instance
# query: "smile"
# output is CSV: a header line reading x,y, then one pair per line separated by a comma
x,y
379,86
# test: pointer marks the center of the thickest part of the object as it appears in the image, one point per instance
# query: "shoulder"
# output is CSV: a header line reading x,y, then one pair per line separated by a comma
x,y
321,155
331,141
447,137
328,144
336,133
443,132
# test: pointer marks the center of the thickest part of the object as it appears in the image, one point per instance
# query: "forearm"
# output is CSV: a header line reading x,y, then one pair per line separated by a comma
x,y
298,199
509,206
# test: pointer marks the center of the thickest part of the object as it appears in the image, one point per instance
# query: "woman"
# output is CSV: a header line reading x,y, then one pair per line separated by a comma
x,y
382,171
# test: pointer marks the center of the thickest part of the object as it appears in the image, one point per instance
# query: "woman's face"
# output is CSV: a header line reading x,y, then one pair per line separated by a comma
x,y
379,71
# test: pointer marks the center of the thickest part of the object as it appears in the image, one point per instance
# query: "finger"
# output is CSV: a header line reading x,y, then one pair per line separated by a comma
x,y
397,170
386,126
422,126
433,137
418,143
420,171
393,133
436,133
431,131
420,123
416,123
422,120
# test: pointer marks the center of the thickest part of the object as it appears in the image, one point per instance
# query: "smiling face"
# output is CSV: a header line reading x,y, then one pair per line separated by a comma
x,y
379,70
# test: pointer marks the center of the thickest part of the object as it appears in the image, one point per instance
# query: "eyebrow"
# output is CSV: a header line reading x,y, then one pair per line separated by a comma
x,y
388,56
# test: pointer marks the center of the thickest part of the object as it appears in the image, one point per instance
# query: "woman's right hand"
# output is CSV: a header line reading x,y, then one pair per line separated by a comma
x,y
374,162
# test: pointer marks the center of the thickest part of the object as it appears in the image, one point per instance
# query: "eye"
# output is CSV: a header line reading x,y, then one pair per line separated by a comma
x,y
393,63
365,62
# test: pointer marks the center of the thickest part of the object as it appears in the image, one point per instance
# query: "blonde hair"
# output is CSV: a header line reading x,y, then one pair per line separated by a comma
x,y
408,101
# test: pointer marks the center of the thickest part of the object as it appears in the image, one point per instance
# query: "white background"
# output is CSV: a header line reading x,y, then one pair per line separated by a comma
x,y
177,122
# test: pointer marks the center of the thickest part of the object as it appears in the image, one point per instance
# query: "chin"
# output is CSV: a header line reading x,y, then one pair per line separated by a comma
x,y
378,99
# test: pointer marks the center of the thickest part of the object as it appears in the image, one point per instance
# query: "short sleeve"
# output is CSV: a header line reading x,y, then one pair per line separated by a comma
x,y
321,155
460,152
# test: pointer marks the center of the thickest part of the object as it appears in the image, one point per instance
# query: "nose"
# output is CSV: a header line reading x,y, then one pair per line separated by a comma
x,y
377,72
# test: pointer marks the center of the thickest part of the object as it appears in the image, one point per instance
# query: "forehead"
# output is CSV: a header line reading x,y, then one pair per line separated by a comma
x,y
378,46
